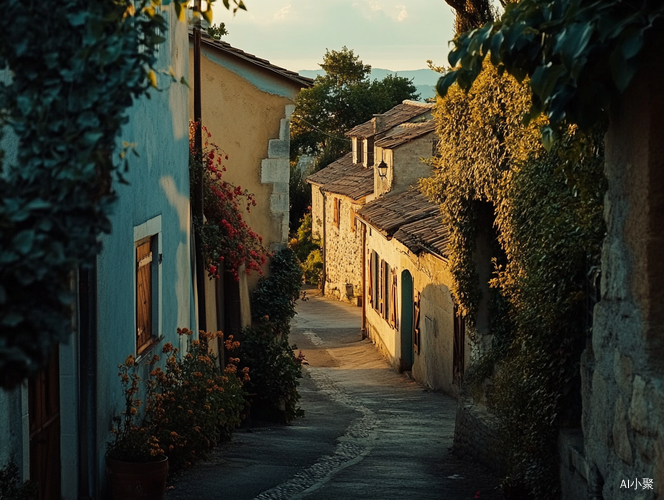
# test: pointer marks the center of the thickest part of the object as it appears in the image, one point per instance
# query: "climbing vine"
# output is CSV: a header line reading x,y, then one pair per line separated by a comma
x,y
73,69
227,238
545,219
577,54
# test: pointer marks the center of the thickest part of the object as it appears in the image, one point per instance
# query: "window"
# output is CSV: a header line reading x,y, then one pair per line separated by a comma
x,y
147,275
375,281
360,151
416,323
352,220
394,323
144,293
337,210
385,290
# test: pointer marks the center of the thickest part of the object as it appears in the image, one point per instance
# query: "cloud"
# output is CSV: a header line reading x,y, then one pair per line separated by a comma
x,y
281,13
403,14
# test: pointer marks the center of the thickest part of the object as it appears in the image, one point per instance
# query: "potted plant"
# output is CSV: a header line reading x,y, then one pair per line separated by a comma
x,y
136,467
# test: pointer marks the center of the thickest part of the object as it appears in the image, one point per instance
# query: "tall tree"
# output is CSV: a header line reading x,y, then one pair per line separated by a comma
x,y
342,98
471,14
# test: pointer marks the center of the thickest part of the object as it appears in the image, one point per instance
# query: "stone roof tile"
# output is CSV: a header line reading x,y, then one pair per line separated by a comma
x,y
345,178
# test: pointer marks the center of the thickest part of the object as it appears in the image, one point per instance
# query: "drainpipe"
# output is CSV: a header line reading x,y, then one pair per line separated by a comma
x,y
324,276
364,281
87,382
198,207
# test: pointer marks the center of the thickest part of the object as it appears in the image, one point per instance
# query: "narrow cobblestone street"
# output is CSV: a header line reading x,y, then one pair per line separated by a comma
x,y
368,432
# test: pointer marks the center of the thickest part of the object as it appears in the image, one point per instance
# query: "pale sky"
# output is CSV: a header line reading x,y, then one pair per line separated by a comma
x,y
390,34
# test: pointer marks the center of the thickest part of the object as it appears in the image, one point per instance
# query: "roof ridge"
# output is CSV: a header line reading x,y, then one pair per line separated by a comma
x,y
409,102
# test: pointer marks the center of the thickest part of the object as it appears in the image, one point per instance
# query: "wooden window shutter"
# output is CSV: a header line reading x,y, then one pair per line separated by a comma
x,y
393,300
382,288
143,295
370,280
416,323
336,211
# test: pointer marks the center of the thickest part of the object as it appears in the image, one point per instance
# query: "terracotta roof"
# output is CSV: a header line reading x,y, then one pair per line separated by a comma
x,y
406,132
345,178
400,113
303,81
389,213
429,234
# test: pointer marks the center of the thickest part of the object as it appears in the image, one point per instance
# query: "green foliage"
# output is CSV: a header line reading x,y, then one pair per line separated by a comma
x,y
471,14
74,74
481,139
307,249
274,298
299,194
216,32
547,214
11,489
273,367
339,100
274,372
578,54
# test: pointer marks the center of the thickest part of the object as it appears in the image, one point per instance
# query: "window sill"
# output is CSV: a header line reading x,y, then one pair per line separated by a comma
x,y
146,350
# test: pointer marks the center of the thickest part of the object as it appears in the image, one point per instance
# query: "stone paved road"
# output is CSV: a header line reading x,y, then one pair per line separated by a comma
x,y
368,433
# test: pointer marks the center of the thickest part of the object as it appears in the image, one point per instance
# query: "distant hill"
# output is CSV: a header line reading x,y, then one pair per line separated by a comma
x,y
424,79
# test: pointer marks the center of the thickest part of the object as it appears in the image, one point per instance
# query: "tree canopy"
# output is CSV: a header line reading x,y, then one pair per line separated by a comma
x,y
342,98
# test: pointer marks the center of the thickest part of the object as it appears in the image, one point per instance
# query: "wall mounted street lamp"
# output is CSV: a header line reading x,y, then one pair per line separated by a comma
x,y
382,169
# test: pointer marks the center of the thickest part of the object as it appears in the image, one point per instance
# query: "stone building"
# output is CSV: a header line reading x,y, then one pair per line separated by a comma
x,y
338,192
384,245
340,189
246,106
409,313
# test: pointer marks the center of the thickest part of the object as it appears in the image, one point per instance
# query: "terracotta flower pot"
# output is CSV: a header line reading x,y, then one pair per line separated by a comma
x,y
136,481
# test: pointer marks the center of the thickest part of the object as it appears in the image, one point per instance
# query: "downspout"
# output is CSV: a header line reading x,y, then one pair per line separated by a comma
x,y
198,201
324,277
87,382
364,281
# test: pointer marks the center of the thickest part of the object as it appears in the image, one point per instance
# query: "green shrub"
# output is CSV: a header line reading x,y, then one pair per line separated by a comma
x,y
274,372
11,489
307,249
275,295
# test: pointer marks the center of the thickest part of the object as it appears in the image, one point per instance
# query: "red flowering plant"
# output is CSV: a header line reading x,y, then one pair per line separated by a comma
x,y
227,238
134,437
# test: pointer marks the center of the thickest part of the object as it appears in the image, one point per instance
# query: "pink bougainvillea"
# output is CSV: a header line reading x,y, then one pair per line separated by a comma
x,y
228,241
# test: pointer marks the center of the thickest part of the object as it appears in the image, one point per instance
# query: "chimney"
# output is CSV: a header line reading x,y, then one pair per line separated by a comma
x,y
378,123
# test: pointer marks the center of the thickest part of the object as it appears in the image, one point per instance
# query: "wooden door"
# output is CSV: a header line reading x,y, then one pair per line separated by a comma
x,y
44,419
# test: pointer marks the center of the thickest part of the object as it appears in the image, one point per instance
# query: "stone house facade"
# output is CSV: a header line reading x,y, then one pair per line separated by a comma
x,y
409,313
337,193
344,186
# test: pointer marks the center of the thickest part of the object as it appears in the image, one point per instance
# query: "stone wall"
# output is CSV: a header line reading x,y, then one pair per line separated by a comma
x,y
475,436
623,368
343,251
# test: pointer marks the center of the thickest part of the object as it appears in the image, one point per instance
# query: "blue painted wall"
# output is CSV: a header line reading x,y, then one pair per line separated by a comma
x,y
158,186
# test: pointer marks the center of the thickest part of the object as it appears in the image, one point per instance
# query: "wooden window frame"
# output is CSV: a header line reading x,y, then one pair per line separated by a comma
x,y
337,211
417,340
394,323
148,232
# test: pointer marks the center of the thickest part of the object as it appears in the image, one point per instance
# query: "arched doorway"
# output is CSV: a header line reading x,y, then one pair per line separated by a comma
x,y
406,361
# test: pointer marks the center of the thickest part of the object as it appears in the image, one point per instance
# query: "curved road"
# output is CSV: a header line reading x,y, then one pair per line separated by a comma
x,y
368,432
